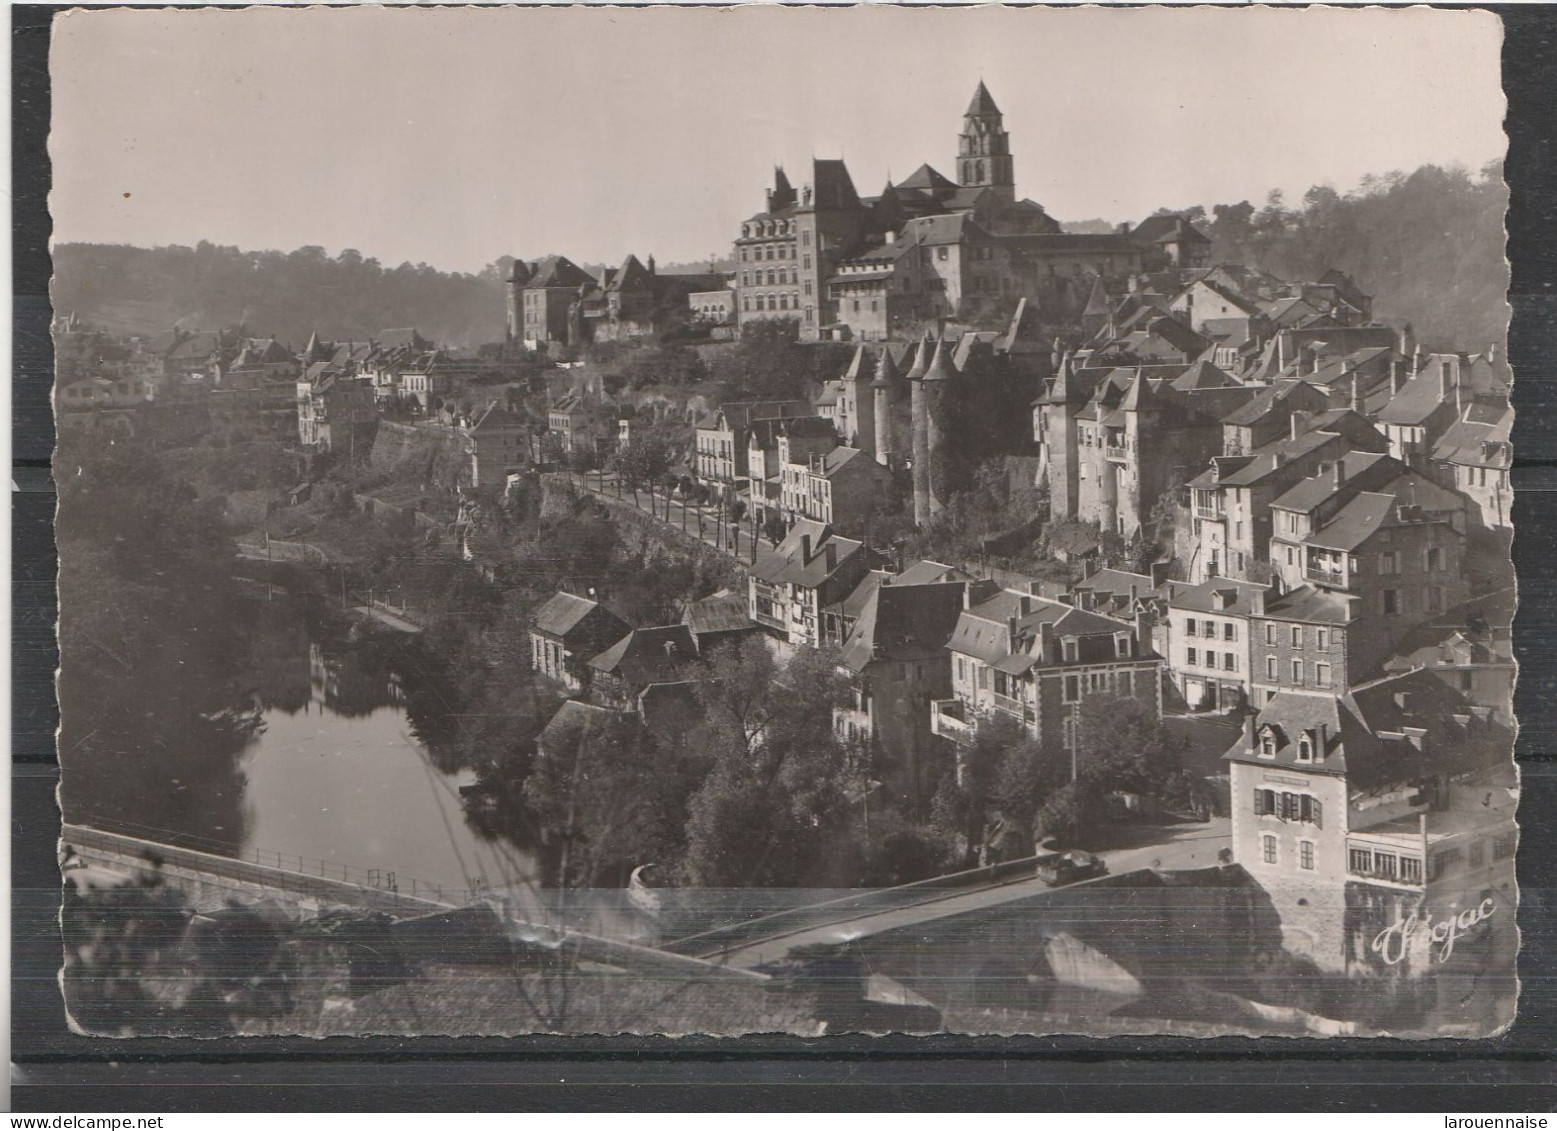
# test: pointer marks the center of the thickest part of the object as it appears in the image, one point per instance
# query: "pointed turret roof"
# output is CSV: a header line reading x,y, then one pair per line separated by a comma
x,y
886,371
1141,397
921,359
941,368
857,367
1097,304
1063,384
1023,335
982,103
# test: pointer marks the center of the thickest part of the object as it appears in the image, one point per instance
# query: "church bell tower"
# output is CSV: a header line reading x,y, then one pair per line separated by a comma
x,y
984,149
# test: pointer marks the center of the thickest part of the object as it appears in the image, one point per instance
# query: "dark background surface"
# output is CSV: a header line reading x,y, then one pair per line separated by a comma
x,y
57,1071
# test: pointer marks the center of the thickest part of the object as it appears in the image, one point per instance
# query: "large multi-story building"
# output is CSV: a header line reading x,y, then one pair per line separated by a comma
x,y
1113,441
808,572
1370,815
1037,660
897,664
1209,641
1366,526
926,247
721,440
1230,502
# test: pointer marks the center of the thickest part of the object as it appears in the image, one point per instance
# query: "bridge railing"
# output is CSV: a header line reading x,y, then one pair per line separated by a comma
x,y
721,940
283,870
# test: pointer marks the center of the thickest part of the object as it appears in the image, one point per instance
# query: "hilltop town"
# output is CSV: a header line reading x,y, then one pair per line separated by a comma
x,y
1007,539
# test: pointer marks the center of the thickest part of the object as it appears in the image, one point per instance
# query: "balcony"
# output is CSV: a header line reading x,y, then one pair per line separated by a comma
x,y
1326,575
949,719
1115,451
1209,513
1014,707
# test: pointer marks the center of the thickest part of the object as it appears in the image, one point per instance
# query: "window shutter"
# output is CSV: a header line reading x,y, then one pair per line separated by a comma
x,y
1288,806
1259,802
1318,813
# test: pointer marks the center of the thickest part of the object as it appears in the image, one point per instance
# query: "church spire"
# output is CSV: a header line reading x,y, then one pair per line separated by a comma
x,y
984,149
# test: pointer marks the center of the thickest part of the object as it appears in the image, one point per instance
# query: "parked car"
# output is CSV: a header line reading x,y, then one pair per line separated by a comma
x,y
1060,868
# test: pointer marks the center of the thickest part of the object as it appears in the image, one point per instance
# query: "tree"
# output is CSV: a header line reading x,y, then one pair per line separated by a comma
x,y
611,798
777,788
643,461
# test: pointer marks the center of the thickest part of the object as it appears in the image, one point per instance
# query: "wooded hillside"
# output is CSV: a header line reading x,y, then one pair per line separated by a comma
x,y
288,295
1427,245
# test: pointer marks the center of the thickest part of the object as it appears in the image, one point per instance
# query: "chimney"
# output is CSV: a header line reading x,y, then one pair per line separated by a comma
x,y
1134,594
1356,405
967,595
805,549
831,550
1158,572
1088,567
1299,421
1024,604
1446,379
1395,380
1338,472
1257,603
1248,731
1353,608
1046,641
1011,633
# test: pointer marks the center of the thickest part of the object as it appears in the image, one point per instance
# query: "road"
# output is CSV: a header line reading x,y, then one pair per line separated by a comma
x,y
1194,846
682,517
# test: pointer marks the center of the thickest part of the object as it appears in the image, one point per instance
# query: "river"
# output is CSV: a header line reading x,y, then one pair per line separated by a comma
x,y
344,780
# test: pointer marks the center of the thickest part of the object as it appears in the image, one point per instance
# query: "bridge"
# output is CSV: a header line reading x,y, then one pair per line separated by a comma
x,y
210,880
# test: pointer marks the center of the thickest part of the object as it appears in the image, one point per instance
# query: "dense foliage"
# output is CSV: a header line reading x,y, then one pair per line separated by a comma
x,y
1427,245
288,295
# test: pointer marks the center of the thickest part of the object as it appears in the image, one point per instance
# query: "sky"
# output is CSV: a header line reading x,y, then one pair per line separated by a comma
x,y
454,136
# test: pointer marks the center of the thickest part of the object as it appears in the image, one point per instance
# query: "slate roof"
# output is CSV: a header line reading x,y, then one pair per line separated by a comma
x,y
854,604
1418,400
837,459
1202,598
784,565
1478,441
1309,605
574,714
982,631
1354,523
740,414
1307,495
723,612
649,655
564,612
904,622
925,572
495,418
1203,375
982,103
1153,228
558,271
927,179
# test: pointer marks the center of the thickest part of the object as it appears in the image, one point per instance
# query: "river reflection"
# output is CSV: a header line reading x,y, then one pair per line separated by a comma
x,y
337,775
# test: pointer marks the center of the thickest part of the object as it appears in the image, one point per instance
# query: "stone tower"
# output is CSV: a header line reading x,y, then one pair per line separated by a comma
x,y
939,385
857,402
517,278
984,149
884,393
1057,433
921,432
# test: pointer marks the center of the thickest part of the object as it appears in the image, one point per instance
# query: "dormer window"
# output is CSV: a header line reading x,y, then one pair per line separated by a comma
x,y
1267,745
1122,645
1305,750
1068,650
